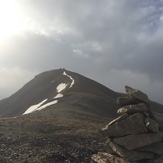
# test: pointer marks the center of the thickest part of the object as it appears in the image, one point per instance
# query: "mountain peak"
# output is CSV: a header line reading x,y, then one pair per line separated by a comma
x,y
54,88
43,90
52,100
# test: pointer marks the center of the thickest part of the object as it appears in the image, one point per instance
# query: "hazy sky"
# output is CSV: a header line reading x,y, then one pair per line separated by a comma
x,y
115,42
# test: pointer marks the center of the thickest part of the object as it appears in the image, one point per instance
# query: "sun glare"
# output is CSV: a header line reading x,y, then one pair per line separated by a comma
x,y
9,18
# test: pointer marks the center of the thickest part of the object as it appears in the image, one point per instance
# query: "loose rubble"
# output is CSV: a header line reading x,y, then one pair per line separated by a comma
x,y
49,137
133,137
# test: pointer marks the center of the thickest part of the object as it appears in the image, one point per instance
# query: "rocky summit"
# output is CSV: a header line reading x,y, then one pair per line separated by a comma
x,y
135,136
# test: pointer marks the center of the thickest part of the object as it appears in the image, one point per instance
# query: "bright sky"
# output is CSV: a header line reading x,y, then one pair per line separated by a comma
x,y
11,21
115,42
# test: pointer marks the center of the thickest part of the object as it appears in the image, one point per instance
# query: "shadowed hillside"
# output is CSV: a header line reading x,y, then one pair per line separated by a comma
x,y
54,118
85,93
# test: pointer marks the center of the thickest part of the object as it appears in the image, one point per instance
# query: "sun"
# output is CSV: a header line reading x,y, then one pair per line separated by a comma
x,y
9,18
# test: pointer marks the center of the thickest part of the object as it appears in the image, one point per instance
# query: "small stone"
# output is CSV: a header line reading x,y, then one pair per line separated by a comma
x,y
99,159
103,157
124,116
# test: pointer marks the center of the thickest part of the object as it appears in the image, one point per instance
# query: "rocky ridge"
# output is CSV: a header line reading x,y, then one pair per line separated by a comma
x,y
135,136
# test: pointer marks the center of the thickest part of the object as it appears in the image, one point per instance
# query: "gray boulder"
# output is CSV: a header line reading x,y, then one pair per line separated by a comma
x,y
156,148
159,159
122,117
133,124
136,141
137,94
129,155
122,101
130,109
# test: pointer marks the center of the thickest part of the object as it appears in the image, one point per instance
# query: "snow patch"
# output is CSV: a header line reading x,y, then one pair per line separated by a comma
x,y
38,106
73,81
34,107
48,104
61,87
59,95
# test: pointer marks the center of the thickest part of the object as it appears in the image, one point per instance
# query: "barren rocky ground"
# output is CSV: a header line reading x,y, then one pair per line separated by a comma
x,y
42,137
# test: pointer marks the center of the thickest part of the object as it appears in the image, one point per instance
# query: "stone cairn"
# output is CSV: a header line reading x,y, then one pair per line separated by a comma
x,y
134,136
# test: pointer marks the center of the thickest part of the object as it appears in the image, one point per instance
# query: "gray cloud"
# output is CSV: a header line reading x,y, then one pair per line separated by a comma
x,y
114,42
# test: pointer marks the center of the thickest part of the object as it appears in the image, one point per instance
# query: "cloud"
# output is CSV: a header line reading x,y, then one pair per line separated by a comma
x,y
120,78
11,80
114,42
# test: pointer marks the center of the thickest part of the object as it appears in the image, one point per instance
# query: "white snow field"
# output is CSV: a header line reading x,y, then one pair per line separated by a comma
x,y
59,89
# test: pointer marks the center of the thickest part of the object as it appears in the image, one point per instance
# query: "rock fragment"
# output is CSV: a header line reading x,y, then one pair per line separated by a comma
x,y
127,154
156,148
131,109
137,94
103,157
125,126
151,124
122,101
136,141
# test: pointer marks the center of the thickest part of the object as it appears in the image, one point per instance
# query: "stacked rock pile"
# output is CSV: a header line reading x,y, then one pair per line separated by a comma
x,y
134,136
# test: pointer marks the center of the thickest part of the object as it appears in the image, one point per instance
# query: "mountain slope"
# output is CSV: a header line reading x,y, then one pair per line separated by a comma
x,y
62,87
76,90
62,132
62,112
66,88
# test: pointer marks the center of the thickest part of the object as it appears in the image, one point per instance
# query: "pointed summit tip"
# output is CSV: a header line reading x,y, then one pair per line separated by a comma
x,y
137,94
